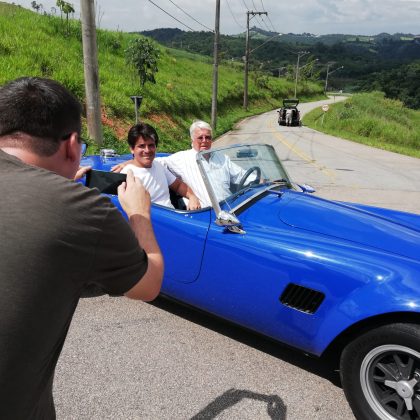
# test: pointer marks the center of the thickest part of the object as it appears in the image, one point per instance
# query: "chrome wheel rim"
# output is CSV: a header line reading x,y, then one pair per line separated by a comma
x,y
389,377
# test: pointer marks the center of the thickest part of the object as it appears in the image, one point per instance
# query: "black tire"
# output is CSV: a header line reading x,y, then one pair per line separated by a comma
x,y
380,373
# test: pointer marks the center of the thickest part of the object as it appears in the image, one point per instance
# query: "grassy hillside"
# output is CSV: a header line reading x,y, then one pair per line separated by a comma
x,y
40,45
371,119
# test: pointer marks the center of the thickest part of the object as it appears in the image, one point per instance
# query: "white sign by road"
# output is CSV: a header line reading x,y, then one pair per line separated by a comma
x,y
325,107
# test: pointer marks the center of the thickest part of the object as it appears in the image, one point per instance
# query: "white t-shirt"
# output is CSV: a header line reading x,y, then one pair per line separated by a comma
x,y
156,180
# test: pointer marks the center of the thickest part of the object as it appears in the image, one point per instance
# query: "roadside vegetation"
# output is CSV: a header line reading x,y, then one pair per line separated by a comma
x,y
371,119
36,44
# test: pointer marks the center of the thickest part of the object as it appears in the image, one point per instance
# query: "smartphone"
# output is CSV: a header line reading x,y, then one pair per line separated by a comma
x,y
105,182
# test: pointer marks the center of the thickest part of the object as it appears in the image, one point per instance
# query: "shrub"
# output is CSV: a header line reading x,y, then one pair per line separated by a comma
x,y
143,55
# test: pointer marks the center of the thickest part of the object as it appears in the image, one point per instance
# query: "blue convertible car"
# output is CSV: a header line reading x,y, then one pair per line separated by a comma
x,y
333,279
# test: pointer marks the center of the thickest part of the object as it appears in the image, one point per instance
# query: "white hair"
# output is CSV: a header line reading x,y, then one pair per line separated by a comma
x,y
199,124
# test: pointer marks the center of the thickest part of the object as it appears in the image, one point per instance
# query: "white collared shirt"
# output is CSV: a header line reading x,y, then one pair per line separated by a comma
x,y
220,169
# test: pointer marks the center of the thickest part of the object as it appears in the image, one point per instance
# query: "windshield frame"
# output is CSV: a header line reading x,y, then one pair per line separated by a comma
x,y
247,155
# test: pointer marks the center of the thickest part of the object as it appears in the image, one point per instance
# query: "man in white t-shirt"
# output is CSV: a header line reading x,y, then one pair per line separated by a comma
x,y
143,140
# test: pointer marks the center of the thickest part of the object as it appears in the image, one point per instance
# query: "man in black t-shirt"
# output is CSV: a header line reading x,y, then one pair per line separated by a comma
x,y
57,238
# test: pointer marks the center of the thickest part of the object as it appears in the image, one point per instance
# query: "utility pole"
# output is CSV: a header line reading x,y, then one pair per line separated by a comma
x,y
91,70
329,73
300,54
248,13
326,79
215,68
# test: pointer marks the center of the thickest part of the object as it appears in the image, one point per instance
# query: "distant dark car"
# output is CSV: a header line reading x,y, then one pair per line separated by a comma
x,y
289,115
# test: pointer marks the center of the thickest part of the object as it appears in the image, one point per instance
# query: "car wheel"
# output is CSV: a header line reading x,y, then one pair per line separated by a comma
x,y
380,373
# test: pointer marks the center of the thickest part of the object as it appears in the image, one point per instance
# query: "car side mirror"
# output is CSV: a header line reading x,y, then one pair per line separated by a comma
x,y
306,188
225,218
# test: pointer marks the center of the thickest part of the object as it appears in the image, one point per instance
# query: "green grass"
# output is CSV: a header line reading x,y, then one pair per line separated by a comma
x,y
38,45
371,119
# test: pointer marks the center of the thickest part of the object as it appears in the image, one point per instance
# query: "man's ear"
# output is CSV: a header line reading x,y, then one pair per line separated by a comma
x,y
72,148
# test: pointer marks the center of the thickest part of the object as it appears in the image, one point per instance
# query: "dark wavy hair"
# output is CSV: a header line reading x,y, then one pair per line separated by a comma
x,y
141,130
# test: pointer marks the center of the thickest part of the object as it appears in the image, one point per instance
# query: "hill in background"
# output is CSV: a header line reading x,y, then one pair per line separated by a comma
x,y
365,59
34,44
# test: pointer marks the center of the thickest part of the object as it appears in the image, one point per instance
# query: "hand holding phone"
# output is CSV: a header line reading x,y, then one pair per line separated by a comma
x,y
133,197
105,182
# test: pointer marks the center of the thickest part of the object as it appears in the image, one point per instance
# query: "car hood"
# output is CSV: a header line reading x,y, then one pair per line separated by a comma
x,y
341,220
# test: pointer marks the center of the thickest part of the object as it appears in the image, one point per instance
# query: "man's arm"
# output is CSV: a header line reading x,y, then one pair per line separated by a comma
x,y
135,201
184,190
119,166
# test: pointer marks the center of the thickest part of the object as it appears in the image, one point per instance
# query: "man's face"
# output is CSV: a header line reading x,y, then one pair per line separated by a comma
x,y
144,152
202,139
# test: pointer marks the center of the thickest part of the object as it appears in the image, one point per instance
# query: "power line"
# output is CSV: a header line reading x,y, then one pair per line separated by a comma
x,y
271,23
234,18
259,19
255,8
173,17
268,17
265,24
195,20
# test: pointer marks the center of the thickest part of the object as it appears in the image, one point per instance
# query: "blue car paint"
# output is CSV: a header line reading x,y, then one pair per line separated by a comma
x,y
365,263
243,276
366,228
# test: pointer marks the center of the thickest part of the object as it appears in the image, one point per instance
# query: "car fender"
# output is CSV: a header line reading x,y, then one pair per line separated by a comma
x,y
383,289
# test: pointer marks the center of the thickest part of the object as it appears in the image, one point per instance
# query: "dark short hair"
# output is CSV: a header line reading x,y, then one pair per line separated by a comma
x,y
141,130
43,109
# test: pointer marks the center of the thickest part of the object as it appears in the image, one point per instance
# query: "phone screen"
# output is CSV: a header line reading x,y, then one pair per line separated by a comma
x,y
105,182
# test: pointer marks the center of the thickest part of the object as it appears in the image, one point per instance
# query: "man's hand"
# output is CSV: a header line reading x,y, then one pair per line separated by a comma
x,y
120,166
133,197
81,172
193,203
183,189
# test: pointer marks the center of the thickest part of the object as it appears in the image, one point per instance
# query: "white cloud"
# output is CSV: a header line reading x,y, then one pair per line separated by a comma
x,y
363,17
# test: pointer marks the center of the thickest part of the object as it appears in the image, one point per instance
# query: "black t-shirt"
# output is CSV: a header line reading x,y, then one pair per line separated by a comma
x,y
56,238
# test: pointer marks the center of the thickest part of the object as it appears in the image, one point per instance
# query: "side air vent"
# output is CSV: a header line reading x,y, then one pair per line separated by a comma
x,y
302,298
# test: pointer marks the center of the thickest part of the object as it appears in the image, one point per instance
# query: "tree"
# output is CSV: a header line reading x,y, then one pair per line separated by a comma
x,y
65,8
143,55
36,6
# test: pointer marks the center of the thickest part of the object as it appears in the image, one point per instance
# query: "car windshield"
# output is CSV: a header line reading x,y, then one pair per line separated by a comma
x,y
233,171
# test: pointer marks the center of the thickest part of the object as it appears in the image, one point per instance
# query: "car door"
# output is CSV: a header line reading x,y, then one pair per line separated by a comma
x,y
181,236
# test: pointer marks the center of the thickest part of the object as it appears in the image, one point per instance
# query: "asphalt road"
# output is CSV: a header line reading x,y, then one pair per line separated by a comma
x,y
338,169
131,360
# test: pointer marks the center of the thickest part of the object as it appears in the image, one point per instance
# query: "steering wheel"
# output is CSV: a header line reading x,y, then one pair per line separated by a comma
x,y
248,173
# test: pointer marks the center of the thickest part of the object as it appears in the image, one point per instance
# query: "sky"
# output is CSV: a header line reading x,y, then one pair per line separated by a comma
x,y
319,17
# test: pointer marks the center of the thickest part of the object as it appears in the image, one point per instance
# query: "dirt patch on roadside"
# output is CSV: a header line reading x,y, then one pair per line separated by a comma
x,y
119,127
162,120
